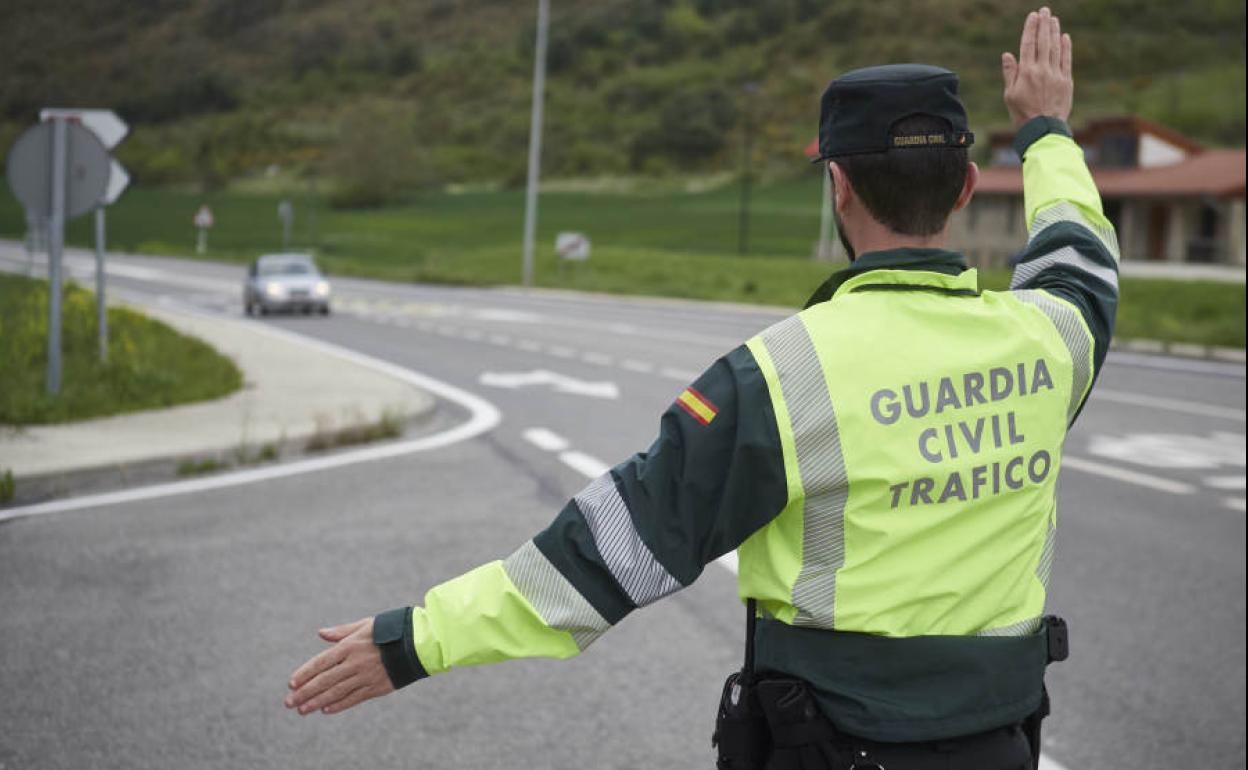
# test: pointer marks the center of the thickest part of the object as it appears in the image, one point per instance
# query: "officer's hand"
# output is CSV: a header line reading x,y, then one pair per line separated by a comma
x,y
343,676
1038,82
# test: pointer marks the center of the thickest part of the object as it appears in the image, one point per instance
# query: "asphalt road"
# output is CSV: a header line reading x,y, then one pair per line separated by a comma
x,y
160,633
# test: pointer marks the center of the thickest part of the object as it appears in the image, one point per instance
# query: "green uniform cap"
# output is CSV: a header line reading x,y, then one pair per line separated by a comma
x,y
859,110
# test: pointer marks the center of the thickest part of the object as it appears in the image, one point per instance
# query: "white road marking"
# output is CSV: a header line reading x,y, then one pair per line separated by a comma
x,y
546,440
472,335
500,339
448,331
561,383
529,345
1130,477
633,365
559,351
683,375
601,359
1170,404
1225,482
1048,763
587,465
1234,503
1172,450
483,417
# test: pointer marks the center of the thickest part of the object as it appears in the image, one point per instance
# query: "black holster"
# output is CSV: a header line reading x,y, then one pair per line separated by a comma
x,y
742,738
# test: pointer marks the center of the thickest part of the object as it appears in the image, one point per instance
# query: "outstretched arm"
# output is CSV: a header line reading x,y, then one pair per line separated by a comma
x,y
1069,268
643,530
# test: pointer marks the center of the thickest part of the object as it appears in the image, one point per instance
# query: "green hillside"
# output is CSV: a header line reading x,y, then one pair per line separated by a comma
x,y
387,95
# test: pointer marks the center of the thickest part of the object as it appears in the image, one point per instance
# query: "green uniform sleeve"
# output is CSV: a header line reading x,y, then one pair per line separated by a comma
x,y
1069,268
643,530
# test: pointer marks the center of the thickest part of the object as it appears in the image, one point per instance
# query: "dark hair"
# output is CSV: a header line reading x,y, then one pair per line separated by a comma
x,y
909,190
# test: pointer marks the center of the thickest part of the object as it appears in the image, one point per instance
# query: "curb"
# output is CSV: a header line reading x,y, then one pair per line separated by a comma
x,y
1181,350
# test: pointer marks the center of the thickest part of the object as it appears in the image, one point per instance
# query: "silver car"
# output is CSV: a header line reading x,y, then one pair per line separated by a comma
x,y
285,282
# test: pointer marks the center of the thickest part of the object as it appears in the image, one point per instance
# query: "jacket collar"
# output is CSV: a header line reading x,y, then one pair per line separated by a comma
x,y
906,266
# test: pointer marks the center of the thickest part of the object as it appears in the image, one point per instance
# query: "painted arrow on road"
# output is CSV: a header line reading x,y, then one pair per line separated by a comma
x,y
560,383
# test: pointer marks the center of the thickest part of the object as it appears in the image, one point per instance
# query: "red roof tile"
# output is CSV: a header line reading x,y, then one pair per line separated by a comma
x,y
1213,172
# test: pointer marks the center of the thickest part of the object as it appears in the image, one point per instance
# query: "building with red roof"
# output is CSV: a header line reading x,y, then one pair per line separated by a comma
x,y
1169,198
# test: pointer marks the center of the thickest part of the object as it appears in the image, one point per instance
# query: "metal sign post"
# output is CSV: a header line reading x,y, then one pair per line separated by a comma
x,y
118,179
101,310
203,221
286,213
56,245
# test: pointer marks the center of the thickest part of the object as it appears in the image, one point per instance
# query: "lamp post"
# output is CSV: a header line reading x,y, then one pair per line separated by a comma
x,y
535,141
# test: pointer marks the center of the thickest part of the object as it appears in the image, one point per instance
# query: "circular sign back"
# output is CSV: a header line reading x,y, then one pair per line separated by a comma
x,y
29,170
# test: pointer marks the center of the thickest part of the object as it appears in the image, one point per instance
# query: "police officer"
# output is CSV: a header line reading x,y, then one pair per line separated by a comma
x,y
884,462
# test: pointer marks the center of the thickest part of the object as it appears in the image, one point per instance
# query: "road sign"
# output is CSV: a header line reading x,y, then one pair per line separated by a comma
x,y
118,181
572,246
105,124
203,217
86,169
560,383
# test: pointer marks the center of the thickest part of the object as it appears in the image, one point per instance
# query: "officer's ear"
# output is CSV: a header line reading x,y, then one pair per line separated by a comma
x,y
842,191
968,186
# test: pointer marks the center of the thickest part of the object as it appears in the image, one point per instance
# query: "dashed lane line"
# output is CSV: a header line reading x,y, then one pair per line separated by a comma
x,y
1130,477
545,440
633,365
1234,503
599,359
587,465
683,375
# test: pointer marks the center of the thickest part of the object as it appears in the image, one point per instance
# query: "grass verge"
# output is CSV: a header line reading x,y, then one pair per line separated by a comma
x,y
664,242
149,364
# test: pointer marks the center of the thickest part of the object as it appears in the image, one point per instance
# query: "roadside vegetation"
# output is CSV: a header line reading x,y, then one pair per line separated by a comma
x,y
149,364
376,97
650,239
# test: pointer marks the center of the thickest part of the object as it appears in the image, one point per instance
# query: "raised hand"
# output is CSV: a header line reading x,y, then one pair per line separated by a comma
x,y
1039,82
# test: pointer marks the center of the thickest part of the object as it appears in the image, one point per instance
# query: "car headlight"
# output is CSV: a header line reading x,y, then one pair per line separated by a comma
x,y
274,290
321,289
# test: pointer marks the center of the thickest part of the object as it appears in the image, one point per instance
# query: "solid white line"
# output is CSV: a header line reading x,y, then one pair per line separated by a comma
x,y
586,464
1170,404
1130,477
545,440
483,417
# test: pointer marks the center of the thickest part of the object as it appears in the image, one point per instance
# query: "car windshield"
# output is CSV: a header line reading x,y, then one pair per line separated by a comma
x,y
287,267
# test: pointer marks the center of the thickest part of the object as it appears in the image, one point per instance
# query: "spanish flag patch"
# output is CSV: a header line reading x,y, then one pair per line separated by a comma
x,y
697,405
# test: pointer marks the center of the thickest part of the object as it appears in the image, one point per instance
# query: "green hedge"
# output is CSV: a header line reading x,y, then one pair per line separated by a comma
x,y
149,365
